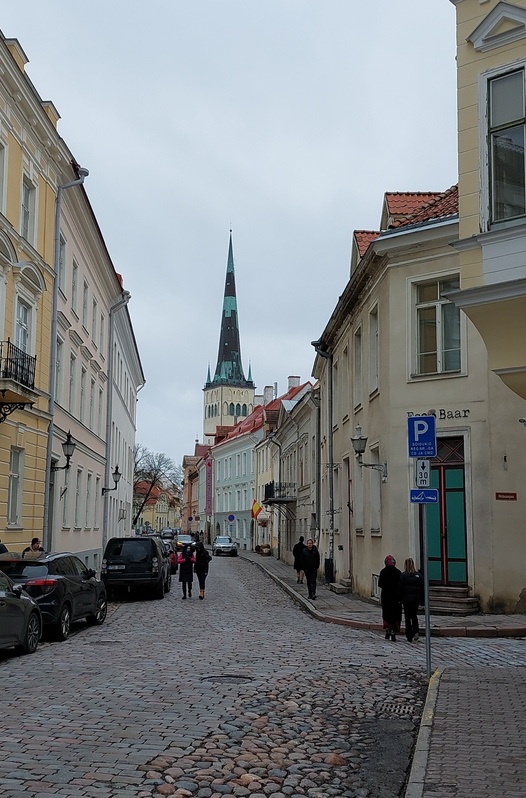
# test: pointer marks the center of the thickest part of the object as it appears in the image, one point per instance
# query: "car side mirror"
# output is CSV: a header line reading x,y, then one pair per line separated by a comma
x,y
17,590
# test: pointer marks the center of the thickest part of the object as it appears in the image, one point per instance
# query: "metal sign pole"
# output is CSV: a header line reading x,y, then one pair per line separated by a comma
x,y
426,597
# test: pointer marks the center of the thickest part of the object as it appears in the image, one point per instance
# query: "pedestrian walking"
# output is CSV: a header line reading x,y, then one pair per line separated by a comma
x,y
202,561
34,550
297,553
186,562
411,594
388,582
311,563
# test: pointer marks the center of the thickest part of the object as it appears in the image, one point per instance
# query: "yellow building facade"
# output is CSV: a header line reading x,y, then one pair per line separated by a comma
x,y
491,61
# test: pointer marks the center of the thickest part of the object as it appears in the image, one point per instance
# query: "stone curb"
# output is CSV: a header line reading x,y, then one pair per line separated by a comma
x,y
436,631
416,782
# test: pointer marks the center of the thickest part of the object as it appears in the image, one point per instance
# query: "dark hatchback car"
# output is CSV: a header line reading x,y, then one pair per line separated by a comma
x,y
135,563
62,586
20,617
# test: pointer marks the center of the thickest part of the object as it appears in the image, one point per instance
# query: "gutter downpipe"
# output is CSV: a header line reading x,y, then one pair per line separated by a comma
x,y
117,305
47,537
329,564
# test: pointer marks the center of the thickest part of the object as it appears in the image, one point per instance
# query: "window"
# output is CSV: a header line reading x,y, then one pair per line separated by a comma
x,y
23,325
27,225
357,376
58,369
101,344
83,377
89,478
91,403
507,124
85,306
72,373
438,328
94,320
373,350
64,493
61,261
13,501
78,501
101,397
3,161
74,285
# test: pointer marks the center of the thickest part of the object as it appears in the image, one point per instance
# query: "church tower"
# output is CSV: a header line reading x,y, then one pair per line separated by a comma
x,y
228,397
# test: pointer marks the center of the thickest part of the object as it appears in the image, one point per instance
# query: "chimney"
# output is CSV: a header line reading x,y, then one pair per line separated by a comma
x,y
294,382
268,394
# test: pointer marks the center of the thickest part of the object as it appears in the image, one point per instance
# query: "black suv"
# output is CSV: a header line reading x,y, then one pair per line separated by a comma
x,y
62,586
136,562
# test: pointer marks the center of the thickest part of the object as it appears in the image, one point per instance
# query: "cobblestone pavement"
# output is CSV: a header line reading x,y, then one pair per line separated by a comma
x,y
241,694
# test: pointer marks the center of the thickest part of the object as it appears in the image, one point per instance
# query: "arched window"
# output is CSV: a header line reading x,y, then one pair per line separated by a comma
x,y
231,409
238,409
244,410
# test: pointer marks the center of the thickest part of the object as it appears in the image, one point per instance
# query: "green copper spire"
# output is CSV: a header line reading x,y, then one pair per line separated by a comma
x,y
229,369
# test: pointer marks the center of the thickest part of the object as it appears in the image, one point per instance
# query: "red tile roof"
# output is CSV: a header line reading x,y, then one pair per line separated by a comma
x,y
446,204
363,238
404,203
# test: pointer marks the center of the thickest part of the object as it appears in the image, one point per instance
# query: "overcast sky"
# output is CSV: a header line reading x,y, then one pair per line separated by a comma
x,y
286,120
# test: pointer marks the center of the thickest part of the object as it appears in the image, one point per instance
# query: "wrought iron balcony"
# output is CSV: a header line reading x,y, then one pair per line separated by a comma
x,y
17,379
279,493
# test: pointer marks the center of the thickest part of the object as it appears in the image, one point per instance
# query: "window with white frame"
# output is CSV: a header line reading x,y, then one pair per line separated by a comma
x,y
98,492
74,285
14,493
83,379
78,498
85,290
100,414
72,381
357,371
375,492
437,327
101,330
87,520
58,369
65,499
94,320
373,350
357,499
27,213
61,262
507,132
23,328
91,402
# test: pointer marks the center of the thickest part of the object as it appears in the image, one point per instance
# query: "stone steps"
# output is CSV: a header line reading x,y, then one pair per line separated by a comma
x,y
338,587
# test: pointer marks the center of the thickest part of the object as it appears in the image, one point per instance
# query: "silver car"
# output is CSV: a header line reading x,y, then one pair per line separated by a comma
x,y
223,544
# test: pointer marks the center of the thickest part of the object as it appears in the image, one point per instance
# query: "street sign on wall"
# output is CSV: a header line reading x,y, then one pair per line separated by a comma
x,y
422,473
429,496
421,436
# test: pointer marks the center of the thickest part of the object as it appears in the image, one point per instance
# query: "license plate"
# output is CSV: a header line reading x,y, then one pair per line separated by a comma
x,y
116,567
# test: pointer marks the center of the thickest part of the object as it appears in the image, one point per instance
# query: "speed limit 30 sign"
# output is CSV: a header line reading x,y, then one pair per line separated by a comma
x,y
422,473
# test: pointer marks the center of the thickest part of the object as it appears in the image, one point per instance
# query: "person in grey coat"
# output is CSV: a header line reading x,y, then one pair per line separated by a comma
x,y
411,595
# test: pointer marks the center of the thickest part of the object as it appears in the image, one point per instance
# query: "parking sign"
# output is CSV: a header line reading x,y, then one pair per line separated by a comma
x,y
421,436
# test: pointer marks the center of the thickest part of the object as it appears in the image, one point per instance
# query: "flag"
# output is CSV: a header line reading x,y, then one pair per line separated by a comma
x,y
256,509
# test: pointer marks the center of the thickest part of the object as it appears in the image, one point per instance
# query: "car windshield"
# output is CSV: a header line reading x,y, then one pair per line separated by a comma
x,y
223,540
185,539
23,569
135,550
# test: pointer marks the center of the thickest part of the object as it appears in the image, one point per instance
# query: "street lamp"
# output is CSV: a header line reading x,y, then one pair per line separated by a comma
x,y
116,477
68,447
82,174
359,442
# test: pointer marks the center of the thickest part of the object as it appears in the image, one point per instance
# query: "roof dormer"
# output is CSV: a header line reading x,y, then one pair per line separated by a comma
x,y
506,23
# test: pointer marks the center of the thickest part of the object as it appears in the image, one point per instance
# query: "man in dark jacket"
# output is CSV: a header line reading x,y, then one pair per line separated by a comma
x,y
311,563
411,594
297,553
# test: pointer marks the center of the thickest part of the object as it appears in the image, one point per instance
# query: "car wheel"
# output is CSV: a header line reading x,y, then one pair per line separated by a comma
x,y
234,554
159,591
32,635
98,618
63,625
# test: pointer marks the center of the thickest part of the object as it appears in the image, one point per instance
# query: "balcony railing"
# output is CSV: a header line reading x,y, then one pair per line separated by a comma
x,y
17,365
279,492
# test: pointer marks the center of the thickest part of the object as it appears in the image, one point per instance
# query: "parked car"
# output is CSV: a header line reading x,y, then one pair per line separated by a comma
x,y
183,540
223,544
171,550
62,586
133,563
167,534
20,617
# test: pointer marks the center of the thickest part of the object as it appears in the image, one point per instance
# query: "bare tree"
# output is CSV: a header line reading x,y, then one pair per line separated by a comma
x,y
151,471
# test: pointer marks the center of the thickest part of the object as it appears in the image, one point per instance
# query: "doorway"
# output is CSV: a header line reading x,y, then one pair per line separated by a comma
x,y
446,521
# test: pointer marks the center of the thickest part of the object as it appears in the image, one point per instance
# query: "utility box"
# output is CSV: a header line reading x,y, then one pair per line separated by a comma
x,y
329,571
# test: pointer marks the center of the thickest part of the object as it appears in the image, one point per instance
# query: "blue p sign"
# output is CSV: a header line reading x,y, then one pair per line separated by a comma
x,y
421,436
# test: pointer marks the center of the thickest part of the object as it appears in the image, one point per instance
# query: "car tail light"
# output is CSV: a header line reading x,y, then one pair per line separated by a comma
x,y
104,566
155,565
45,584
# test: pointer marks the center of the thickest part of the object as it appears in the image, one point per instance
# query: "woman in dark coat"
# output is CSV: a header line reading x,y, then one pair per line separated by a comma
x,y
297,553
311,563
411,594
388,582
186,561
202,560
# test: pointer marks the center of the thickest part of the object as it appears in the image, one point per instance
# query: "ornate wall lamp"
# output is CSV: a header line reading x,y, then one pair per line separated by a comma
x,y
68,447
116,477
359,442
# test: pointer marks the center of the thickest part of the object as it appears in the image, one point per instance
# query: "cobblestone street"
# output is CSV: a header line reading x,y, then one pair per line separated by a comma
x,y
241,694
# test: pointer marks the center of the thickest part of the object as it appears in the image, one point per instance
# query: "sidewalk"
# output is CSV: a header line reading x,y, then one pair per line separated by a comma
x,y
470,742
349,610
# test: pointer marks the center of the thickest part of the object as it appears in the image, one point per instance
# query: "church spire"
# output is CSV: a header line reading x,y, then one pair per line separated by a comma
x,y
229,369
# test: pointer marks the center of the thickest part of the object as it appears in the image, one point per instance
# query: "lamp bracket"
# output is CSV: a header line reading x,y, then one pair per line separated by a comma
x,y
382,467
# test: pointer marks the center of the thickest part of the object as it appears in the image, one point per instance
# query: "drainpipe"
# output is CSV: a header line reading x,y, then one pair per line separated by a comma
x,y
321,350
117,305
47,536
